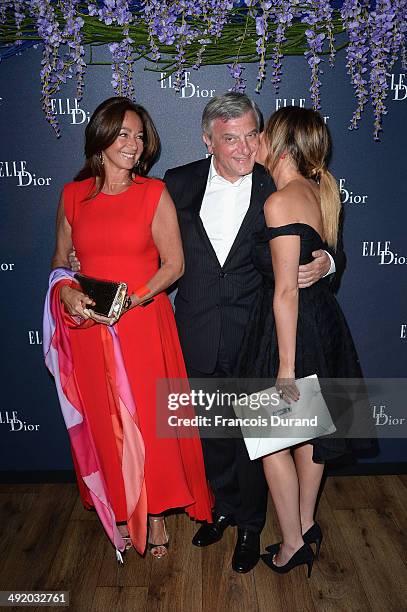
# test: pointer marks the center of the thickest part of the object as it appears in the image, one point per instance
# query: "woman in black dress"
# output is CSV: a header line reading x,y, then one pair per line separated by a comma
x,y
296,333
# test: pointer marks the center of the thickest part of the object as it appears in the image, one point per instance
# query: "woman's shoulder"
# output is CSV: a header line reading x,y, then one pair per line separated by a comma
x,y
79,187
154,186
288,201
277,208
151,182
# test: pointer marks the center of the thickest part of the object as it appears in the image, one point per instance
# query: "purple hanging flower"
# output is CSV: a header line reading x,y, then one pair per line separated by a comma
x,y
284,15
381,25
315,43
72,37
262,30
122,65
52,71
398,42
112,11
355,16
319,17
118,12
236,72
214,15
183,22
4,7
19,16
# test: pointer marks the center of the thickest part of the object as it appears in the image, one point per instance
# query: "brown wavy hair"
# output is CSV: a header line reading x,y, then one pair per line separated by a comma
x,y
304,136
103,129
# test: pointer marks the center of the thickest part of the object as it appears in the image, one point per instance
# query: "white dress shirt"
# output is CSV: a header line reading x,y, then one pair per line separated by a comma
x,y
223,209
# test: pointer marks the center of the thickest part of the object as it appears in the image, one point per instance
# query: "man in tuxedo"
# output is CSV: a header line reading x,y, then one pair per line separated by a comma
x,y
219,202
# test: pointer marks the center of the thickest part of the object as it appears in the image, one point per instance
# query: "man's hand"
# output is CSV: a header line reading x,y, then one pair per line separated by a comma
x,y
308,274
74,262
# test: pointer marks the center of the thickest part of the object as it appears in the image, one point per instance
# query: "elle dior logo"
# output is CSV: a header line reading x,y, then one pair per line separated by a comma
x,y
6,267
10,418
399,86
34,337
189,90
283,102
25,178
383,251
70,107
349,197
381,417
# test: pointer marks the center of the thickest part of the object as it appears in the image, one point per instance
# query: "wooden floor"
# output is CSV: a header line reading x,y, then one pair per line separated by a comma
x,y
48,541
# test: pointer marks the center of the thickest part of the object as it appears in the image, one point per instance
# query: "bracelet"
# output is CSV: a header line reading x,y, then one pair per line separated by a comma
x,y
142,291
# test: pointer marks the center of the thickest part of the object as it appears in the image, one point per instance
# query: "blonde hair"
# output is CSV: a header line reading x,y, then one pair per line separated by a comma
x,y
303,135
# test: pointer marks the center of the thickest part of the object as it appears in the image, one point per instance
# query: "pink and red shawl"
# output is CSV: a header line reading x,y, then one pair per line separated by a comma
x,y
58,359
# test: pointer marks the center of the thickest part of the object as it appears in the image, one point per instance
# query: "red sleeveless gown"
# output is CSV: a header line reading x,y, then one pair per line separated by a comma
x,y
113,241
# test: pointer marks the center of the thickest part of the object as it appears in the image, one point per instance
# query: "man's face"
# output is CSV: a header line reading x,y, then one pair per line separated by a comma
x,y
234,145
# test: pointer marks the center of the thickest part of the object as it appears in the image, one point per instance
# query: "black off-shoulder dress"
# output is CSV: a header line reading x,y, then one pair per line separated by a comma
x,y
324,346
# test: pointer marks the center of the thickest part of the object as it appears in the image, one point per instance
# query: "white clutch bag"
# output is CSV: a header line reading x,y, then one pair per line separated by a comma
x,y
276,424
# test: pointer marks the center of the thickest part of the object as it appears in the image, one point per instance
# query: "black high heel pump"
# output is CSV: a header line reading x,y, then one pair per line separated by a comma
x,y
312,536
304,555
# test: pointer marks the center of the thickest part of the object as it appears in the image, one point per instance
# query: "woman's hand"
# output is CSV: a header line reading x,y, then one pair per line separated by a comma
x,y
75,301
100,318
285,385
130,302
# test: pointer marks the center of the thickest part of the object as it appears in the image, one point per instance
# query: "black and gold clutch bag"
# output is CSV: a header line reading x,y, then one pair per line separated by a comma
x,y
109,297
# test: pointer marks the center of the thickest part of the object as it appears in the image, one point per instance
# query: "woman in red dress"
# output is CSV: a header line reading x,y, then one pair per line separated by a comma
x,y
124,228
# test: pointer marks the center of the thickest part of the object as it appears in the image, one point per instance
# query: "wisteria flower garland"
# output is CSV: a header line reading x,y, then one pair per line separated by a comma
x,y
183,34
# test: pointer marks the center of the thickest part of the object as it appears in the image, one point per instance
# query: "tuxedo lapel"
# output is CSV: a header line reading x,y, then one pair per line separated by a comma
x,y
257,200
198,185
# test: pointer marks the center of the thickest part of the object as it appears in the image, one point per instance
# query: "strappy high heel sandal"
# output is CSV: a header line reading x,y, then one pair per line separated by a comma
x,y
127,544
155,548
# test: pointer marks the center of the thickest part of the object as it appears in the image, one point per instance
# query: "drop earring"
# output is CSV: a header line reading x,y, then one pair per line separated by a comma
x,y
101,159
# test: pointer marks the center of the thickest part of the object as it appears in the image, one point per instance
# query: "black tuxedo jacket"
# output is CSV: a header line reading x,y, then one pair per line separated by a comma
x,y
214,299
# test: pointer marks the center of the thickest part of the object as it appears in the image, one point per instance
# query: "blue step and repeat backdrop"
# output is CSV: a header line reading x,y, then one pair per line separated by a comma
x,y
34,165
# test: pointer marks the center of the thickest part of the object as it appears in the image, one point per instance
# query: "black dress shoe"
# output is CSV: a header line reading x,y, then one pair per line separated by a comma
x,y
247,551
209,533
